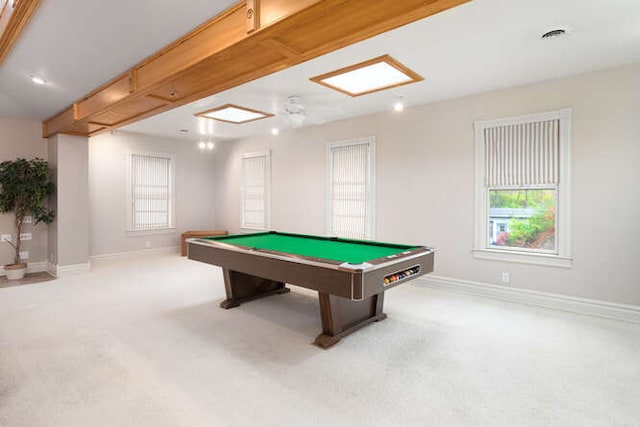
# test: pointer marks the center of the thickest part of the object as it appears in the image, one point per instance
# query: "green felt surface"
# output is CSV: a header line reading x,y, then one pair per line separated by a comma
x,y
351,251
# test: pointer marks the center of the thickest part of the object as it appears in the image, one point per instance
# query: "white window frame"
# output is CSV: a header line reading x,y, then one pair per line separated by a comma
x,y
371,178
267,190
562,257
130,230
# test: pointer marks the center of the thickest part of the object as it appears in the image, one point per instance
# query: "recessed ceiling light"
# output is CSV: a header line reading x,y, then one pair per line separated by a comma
x,y
234,114
399,105
275,131
370,76
210,145
37,80
202,145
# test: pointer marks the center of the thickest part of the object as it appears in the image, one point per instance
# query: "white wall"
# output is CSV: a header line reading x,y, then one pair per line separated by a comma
x,y
69,232
22,138
425,181
107,174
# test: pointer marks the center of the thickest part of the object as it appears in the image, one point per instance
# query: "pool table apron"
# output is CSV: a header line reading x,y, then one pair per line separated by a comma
x,y
349,298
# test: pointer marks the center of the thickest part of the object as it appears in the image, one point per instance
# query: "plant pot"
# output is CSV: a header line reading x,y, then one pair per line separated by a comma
x,y
15,271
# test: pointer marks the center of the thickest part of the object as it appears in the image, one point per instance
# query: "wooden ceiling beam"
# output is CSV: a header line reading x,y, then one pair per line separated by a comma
x,y
14,16
250,40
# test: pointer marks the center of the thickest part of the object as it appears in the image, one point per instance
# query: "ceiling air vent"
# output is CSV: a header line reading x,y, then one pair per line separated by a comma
x,y
553,33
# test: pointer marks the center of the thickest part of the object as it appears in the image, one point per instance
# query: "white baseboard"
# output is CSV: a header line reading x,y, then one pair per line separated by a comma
x,y
32,267
52,269
68,270
123,256
626,313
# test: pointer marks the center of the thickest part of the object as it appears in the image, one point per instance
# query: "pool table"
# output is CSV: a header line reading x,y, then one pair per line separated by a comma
x,y
350,276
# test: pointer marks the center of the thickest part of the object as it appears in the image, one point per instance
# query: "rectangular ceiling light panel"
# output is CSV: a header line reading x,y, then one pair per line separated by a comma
x,y
234,114
370,76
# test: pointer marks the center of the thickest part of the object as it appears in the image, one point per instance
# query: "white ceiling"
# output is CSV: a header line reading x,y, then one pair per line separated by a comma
x,y
78,45
477,47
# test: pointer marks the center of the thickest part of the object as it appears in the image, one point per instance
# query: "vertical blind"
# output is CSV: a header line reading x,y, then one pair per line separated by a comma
x,y
254,202
350,190
522,154
151,192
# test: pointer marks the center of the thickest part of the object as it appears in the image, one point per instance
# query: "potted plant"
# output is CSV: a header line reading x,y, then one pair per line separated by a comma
x,y
24,187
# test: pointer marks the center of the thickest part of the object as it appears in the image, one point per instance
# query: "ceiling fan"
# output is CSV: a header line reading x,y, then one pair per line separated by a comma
x,y
296,114
294,111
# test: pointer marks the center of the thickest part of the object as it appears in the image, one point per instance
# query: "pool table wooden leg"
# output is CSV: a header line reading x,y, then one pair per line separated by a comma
x,y
242,287
342,316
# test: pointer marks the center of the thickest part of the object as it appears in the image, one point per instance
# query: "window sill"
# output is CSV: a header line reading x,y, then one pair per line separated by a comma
x,y
253,229
132,233
523,258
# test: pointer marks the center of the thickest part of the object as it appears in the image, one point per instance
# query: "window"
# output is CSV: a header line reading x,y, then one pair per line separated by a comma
x,y
256,190
522,189
150,192
350,184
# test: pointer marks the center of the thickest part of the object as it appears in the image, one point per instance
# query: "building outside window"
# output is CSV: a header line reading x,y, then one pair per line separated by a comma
x,y
523,189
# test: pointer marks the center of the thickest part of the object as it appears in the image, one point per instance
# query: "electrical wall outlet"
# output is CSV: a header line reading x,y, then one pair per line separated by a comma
x,y
5,238
24,255
25,236
505,277
28,219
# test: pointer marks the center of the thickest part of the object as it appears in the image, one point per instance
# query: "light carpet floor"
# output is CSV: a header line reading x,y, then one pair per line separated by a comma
x,y
144,344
